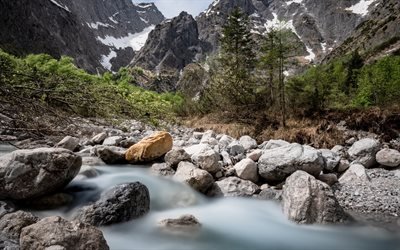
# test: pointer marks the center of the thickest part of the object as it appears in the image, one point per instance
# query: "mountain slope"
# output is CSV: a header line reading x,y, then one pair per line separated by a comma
x,y
377,36
98,34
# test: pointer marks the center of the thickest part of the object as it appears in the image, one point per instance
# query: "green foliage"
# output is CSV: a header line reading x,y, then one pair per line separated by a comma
x,y
40,84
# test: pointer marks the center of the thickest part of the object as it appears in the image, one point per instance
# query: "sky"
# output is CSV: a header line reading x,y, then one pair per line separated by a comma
x,y
172,8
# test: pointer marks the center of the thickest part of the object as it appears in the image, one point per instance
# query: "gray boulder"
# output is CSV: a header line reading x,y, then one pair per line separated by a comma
x,y
69,142
31,173
58,233
162,169
306,200
235,148
198,179
343,165
355,174
247,169
233,187
112,140
270,194
111,154
224,141
364,152
247,142
99,138
329,179
278,163
271,144
388,157
331,159
209,161
173,157
11,225
119,204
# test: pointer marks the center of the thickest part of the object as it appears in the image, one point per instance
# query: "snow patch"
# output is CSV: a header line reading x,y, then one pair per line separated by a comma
x,y
323,45
145,6
144,20
361,8
97,24
275,23
105,60
293,1
59,5
135,41
311,56
210,9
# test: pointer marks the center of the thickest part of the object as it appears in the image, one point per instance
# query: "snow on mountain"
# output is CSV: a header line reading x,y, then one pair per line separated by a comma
x,y
361,8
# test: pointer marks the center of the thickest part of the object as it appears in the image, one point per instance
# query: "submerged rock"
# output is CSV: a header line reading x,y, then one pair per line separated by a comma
x,y
183,223
121,203
150,148
58,233
31,173
306,201
162,169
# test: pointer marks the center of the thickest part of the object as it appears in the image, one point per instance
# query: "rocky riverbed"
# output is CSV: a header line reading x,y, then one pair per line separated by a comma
x,y
353,184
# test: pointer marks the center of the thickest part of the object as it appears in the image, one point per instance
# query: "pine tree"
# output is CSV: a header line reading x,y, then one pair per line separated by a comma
x,y
236,61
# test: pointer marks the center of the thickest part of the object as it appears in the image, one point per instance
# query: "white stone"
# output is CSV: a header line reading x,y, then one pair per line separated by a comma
x,y
388,157
247,170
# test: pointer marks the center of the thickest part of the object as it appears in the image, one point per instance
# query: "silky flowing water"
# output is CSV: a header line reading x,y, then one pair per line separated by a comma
x,y
227,223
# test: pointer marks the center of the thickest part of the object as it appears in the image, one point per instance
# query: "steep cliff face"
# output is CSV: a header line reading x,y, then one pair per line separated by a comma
x,y
320,25
376,36
171,45
99,34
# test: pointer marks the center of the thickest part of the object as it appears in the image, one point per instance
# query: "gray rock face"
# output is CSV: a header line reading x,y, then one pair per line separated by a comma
x,y
119,204
233,186
247,169
173,157
321,25
364,152
388,157
278,163
69,142
306,200
111,154
171,45
58,233
198,179
31,173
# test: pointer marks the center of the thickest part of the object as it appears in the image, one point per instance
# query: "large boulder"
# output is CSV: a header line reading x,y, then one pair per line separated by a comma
x,y
364,152
119,204
271,144
150,148
58,233
247,169
173,157
247,142
388,157
306,200
233,187
197,178
31,173
276,164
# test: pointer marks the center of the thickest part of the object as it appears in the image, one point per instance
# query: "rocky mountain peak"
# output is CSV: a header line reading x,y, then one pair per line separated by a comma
x,y
171,45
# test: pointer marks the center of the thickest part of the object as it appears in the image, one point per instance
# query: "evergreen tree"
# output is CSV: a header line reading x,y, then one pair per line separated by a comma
x,y
236,61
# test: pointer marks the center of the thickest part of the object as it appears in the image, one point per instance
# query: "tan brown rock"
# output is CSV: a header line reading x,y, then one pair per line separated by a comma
x,y
150,148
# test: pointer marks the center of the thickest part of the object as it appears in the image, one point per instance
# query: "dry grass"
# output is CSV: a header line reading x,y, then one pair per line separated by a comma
x,y
318,133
